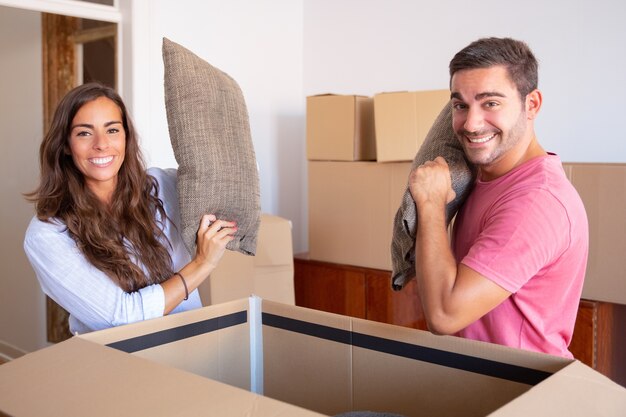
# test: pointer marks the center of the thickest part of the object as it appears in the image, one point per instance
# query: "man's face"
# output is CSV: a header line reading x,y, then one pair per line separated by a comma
x,y
489,118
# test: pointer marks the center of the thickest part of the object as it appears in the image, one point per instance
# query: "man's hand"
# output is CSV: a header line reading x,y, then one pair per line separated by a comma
x,y
430,182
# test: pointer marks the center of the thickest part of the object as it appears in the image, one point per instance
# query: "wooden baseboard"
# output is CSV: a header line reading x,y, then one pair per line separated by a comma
x,y
9,352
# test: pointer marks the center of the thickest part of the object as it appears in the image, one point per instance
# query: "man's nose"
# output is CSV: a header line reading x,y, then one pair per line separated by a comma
x,y
474,121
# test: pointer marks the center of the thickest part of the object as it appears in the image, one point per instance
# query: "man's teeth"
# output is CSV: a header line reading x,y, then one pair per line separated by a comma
x,y
101,161
481,140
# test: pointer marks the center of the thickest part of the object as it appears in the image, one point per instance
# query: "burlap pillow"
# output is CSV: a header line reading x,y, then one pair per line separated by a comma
x,y
440,141
210,133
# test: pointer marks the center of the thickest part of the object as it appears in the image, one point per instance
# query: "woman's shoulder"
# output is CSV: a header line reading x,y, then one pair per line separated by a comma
x,y
52,225
40,232
168,191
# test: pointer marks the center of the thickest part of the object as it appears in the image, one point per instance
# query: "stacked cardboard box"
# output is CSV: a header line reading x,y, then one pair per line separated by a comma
x,y
353,195
360,151
602,187
402,121
268,274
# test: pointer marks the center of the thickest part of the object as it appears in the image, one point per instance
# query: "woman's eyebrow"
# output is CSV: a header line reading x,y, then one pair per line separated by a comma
x,y
87,125
90,126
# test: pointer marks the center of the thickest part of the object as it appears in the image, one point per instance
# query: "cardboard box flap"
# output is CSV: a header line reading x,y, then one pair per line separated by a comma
x,y
577,390
231,313
81,378
215,342
414,365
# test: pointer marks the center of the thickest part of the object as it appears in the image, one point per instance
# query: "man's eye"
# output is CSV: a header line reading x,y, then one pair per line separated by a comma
x,y
491,104
459,106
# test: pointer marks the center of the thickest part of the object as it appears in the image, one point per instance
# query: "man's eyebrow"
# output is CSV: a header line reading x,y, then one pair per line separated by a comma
x,y
479,96
489,94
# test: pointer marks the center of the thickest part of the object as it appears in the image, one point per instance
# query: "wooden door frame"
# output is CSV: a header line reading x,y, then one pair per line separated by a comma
x,y
60,35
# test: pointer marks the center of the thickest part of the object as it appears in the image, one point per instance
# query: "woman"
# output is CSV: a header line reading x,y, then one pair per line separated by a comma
x,y
104,242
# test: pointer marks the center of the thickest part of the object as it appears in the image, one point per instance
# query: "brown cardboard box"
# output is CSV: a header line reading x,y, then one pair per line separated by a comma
x,y
351,211
298,362
402,121
602,188
340,128
268,274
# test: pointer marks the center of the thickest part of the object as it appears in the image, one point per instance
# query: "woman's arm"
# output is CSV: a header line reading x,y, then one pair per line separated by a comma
x,y
87,293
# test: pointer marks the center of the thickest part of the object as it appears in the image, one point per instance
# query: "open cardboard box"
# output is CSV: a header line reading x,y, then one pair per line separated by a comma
x,y
262,358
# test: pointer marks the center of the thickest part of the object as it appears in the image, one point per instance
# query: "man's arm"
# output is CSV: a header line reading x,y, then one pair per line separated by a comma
x,y
453,296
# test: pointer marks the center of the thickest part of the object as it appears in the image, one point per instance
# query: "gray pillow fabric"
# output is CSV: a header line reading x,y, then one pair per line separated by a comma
x,y
210,135
440,141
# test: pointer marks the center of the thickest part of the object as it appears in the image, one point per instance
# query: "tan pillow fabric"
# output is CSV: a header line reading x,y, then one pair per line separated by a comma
x,y
210,134
440,141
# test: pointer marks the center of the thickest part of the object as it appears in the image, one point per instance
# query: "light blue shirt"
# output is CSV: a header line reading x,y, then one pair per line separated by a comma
x,y
93,300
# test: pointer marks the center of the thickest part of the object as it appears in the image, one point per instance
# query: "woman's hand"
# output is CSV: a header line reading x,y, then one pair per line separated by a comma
x,y
212,238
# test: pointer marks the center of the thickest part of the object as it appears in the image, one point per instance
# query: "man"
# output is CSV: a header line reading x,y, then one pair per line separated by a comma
x,y
515,272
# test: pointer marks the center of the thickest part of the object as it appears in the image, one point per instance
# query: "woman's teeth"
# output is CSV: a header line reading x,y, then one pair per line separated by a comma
x,y
101,161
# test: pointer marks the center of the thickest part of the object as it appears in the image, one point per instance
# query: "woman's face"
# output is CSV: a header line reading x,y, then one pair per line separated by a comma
x,y
97,144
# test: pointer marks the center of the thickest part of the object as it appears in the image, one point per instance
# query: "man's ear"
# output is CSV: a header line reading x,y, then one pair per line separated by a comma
x,y
533,104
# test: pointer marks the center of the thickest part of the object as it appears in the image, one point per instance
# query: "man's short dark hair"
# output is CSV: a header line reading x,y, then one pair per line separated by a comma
x,y
514,55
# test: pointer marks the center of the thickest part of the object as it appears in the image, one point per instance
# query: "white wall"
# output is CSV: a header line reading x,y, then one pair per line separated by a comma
x,y
371,46
22,304
259,44
280,51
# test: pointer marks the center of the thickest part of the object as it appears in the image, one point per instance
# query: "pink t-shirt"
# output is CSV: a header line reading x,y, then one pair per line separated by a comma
x,y
527,231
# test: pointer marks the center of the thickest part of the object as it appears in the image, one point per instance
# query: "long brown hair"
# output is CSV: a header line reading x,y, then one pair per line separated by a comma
x,y
116,239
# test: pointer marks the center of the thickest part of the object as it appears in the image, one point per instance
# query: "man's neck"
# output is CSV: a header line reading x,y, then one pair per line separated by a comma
x,y
512,161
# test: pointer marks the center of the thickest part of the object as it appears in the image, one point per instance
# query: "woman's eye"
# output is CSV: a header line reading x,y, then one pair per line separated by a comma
x,y
83,133
113,130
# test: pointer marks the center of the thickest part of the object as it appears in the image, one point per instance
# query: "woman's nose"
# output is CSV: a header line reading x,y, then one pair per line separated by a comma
x,y
101,141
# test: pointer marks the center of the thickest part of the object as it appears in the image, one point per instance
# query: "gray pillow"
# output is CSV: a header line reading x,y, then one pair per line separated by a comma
x,y
440,141
210,134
